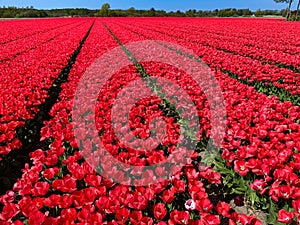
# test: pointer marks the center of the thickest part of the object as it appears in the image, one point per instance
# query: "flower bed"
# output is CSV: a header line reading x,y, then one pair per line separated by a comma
x,y
257,164
29,77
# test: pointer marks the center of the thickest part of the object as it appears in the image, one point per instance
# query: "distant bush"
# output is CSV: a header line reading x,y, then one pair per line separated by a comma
x,y
11,12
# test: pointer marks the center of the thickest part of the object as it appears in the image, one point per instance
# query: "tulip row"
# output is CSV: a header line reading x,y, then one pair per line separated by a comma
x,y
244,67
260,142
14,30
252,28
29,76
62,188
248,41
23,46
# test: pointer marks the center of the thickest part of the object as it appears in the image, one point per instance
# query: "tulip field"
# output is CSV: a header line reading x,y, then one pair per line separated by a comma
x,y
252,179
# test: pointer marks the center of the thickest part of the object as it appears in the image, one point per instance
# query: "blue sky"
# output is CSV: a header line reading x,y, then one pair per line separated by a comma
x,y
167,5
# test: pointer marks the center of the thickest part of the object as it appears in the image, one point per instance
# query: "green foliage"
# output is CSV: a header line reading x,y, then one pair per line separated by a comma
x,y
290,16
30,12
13,12
105,10
294,18
238,185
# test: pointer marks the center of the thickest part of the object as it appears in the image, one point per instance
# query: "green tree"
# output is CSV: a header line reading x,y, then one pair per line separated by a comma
x,y
191,13
131,11
288,11
247,12
297,12
105,10
152,12
258,13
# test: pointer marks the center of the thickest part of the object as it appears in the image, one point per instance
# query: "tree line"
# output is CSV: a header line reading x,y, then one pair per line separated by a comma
x,y
30,12
229,12
290,14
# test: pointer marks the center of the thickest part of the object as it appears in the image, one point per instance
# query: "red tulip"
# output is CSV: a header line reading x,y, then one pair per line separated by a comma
x,y
285,217
122,214
9,211
223,209
36,218
40,189
240,167
135,217
159,211
179,217
210,219
168,196
259,185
